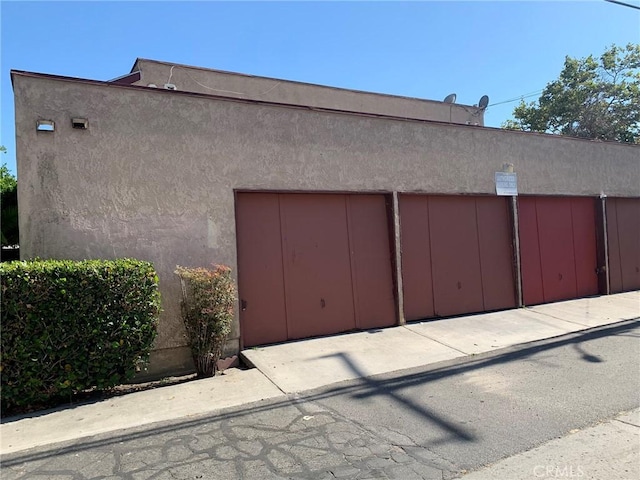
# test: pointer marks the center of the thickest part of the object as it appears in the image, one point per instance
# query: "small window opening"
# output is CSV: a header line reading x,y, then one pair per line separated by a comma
x,y
80,123
45,125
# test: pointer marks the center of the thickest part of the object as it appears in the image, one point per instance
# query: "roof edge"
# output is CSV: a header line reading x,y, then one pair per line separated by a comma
x,y
135,67
317,85
23,73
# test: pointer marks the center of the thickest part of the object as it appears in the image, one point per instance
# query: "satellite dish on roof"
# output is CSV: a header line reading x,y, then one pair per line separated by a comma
x,y
451,98
484,102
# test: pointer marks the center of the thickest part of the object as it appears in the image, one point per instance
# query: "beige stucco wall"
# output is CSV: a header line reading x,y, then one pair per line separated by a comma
x,y
234,85
154,175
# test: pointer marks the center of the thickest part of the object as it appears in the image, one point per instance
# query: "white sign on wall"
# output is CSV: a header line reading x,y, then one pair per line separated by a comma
x,y
506,184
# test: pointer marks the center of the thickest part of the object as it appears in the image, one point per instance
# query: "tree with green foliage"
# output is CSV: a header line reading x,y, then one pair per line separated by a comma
x,y
7,180
596,98
8,205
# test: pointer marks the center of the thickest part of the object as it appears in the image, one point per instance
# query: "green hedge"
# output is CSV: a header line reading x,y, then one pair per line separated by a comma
x,y
70,326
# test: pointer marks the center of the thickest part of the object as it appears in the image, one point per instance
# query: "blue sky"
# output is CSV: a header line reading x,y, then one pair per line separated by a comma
x,y
504,49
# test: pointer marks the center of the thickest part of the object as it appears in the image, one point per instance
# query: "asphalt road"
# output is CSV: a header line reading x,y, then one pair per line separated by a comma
x,y
430,423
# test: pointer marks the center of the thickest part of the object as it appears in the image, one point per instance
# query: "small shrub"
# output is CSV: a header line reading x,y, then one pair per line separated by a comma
x,y
70,326
207,310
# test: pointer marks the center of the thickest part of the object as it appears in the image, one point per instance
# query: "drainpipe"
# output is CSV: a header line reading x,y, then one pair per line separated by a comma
x,y
398,260
605,241
515,222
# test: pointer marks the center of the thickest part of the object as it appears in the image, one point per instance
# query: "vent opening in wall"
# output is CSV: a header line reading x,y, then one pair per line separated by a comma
x,y
80,123
45,125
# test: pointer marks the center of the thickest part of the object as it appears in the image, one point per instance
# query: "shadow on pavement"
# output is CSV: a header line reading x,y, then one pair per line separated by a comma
x,y
362,388
379,387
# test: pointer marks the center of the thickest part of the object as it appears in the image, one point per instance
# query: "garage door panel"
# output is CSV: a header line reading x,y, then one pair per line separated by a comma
x,y
496,252
371,261
629,218
615,265
628,223
318,288
556,248
260,275
584,242
417,284
532,290
457,282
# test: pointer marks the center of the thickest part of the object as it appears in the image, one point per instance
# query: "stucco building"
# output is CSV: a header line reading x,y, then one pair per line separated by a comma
x,y
336,209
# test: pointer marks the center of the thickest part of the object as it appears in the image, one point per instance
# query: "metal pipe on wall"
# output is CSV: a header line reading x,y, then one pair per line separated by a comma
x,y
398,259
516,250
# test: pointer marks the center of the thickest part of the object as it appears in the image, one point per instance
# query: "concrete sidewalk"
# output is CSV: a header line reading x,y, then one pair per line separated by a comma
x,y
608,450
308,364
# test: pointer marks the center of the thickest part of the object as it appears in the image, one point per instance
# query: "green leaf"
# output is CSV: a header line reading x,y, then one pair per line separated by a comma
x,y
595,98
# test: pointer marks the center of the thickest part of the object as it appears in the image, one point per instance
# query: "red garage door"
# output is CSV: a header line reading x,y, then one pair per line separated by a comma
x,y
312,264
557,248
623,233
456,255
